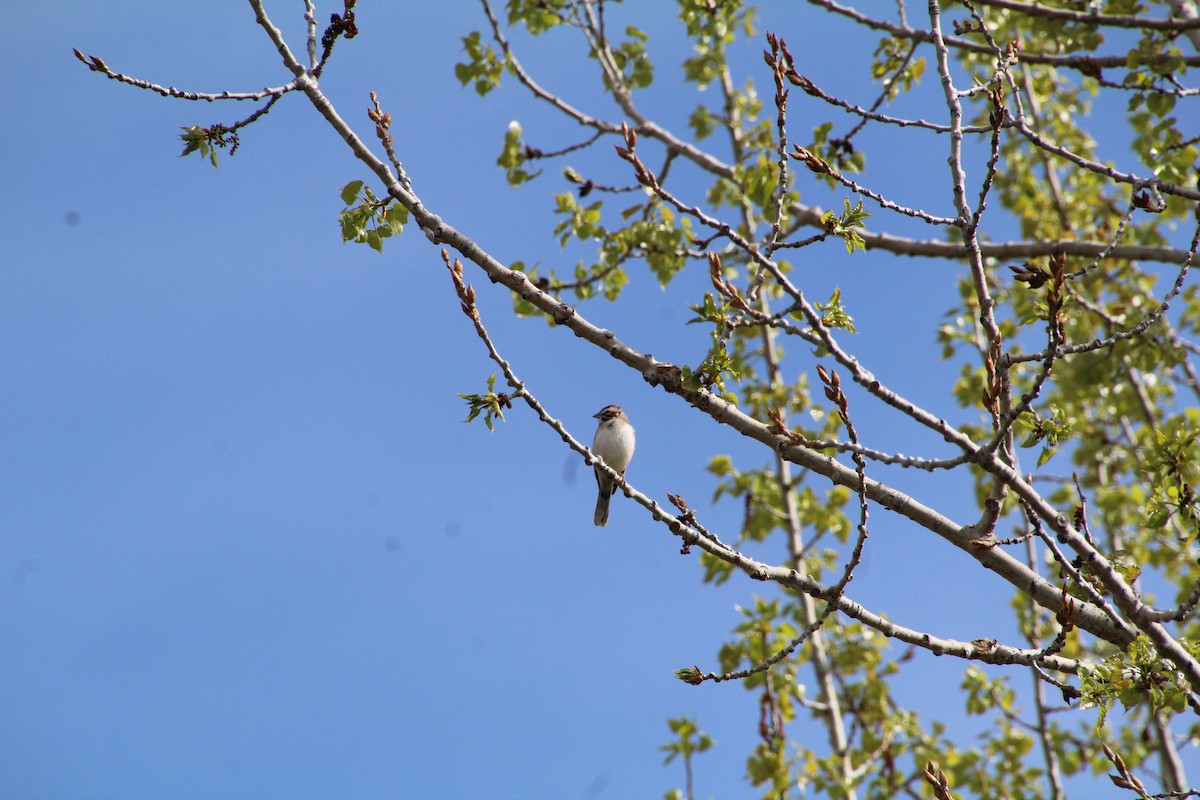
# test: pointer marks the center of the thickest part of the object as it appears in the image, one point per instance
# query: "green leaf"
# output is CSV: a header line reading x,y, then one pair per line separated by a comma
x,y
350,191
1046,454
193,140
395,216
1158,518
1160,104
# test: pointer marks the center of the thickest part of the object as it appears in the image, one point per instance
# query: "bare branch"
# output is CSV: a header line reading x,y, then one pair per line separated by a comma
x,y
96,64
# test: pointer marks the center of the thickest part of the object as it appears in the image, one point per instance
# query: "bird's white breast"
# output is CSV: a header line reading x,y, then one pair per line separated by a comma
x,y
614,443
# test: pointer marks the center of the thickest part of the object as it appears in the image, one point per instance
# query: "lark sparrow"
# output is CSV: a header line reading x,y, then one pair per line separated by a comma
x,y
614,443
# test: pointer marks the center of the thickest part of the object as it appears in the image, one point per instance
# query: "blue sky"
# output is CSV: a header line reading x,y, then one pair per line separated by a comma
x,y
249,548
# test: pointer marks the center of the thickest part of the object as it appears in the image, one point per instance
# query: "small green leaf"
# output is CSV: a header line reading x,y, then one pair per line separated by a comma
x,y
193,139
1158,518
396,220
350,191
1046,454
1160,104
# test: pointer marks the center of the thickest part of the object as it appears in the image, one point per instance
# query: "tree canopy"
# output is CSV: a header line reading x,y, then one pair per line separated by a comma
x,y
1040,437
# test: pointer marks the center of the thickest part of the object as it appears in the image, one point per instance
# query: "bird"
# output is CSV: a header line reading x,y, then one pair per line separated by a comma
x,y
614,443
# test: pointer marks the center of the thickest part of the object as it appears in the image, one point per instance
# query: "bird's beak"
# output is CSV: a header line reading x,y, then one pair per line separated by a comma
x,y
598,414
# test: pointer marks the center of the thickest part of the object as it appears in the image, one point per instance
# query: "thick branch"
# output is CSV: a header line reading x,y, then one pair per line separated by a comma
x,y
1092,18
1081,62
933,248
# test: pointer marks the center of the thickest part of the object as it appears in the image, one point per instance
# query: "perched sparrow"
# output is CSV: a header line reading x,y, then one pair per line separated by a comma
x,y
614,443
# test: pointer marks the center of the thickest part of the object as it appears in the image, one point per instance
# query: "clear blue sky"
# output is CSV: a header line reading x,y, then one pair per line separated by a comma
x,y
248,548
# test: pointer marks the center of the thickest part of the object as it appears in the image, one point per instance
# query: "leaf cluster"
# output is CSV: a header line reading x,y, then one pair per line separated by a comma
x,y
367,219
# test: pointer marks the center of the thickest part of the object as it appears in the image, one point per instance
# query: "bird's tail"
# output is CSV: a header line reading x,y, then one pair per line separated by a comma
x,y
601,515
